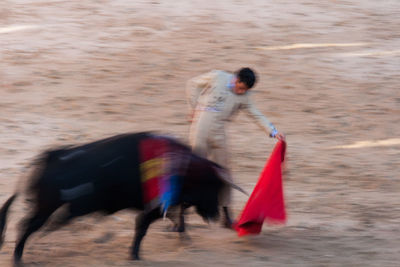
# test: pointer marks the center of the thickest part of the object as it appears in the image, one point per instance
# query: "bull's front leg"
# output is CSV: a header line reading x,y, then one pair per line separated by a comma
x,y
180,228
143,222
177,217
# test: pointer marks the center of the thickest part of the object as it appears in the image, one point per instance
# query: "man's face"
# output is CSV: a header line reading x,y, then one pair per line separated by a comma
x,y
240,87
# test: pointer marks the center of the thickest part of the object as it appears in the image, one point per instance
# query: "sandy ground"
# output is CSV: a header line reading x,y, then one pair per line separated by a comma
x,y
77,71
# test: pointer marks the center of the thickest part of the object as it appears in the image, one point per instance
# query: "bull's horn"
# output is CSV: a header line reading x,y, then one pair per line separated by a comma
x,y
235,186
225,176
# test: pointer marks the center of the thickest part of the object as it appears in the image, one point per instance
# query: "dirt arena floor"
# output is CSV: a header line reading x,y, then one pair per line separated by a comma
x,y
77,71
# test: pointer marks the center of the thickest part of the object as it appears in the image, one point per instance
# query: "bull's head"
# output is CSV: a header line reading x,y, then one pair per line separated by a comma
x,y
226,177
203,183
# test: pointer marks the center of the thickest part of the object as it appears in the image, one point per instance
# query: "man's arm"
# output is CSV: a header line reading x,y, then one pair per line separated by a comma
x,y
261,120
197,86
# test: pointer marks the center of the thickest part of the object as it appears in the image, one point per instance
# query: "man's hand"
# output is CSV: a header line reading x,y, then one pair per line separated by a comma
x,y
190,116
275,134
280,136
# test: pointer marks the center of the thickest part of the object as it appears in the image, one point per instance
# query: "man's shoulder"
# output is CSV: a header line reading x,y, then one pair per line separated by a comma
x,y
220,76
223,75
213,73
222,72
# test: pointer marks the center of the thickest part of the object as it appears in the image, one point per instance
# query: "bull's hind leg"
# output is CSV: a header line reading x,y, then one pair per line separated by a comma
x,y
143,221
30,226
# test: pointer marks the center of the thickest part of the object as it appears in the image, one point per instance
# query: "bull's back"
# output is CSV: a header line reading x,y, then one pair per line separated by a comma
x,y
102,175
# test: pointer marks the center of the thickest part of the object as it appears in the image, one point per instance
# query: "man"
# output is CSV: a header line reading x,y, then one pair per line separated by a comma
x,y
214,98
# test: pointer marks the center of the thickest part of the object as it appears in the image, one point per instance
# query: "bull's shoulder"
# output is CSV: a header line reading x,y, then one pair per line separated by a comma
x,y
51,155
173,141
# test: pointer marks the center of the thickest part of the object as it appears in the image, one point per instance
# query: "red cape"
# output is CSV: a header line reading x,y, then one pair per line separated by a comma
x,y
266,202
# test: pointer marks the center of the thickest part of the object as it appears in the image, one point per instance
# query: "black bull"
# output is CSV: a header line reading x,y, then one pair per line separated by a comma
x,y
105,176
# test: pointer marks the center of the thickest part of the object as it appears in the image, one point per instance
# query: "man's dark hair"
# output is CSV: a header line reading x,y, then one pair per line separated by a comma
x,y
247,76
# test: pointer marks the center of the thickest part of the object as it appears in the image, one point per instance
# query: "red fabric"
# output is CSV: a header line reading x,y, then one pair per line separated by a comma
x,y
151,151
151,189
266,202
